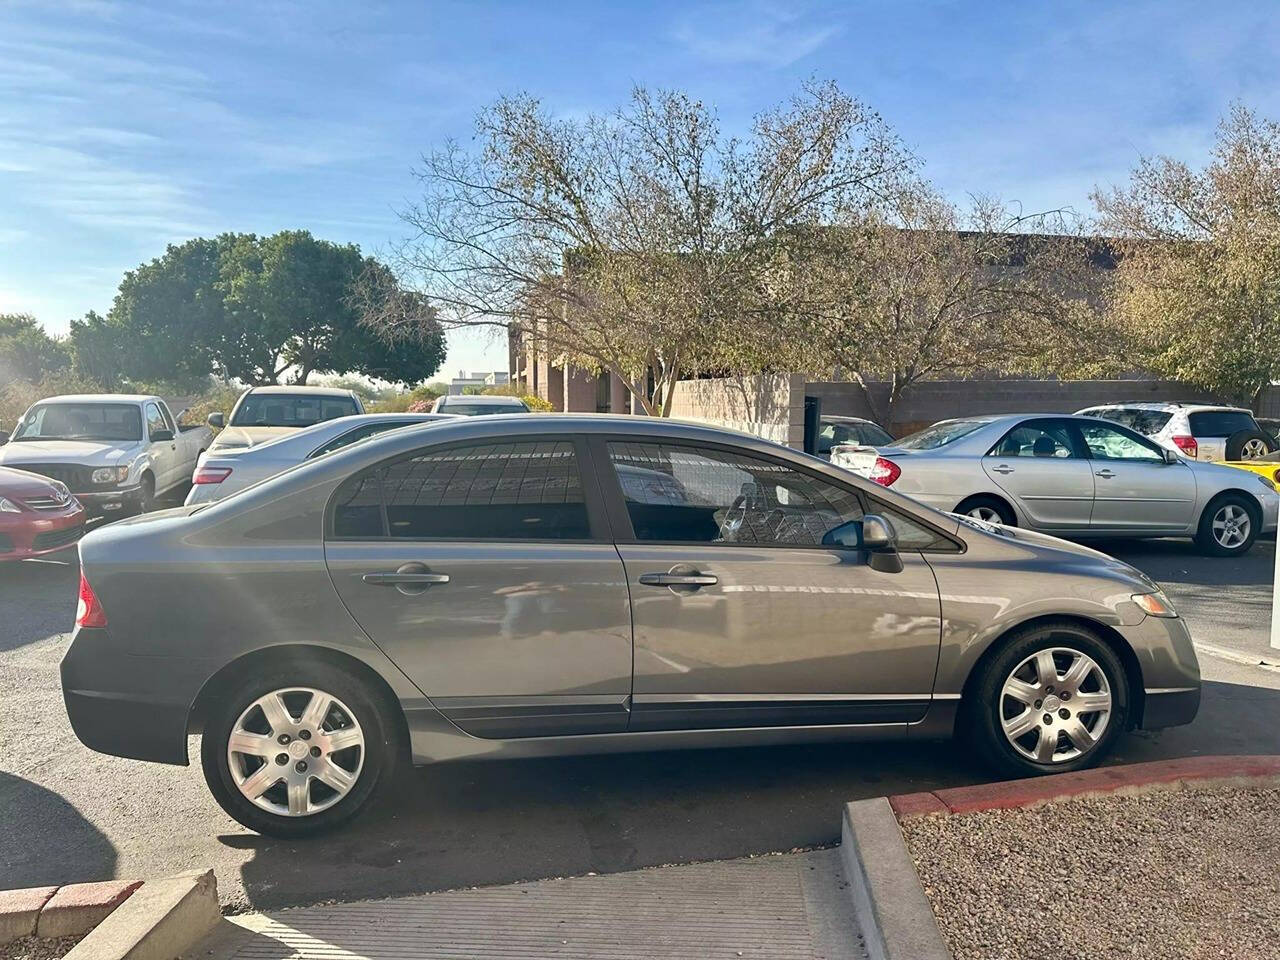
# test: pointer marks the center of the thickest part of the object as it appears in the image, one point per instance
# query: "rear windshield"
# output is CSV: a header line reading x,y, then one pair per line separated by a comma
x,y
940,434
290,410
1220,423
81,421
1148,422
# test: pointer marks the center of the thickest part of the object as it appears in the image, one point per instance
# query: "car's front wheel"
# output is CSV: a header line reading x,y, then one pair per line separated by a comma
x,y
1053,699
1228,526
297,749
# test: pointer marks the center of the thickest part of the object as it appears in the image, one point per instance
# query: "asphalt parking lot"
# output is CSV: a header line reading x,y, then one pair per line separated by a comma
x,y
71,814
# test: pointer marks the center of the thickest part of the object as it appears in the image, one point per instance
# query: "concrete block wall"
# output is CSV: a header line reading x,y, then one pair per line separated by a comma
x,y
770,405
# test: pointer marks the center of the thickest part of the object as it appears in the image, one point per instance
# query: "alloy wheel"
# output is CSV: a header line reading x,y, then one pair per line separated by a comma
x,y
295,752
1055,705
988,514
1253,449
1231,526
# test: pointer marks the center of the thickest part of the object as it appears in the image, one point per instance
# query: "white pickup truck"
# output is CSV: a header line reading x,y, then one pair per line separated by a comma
x,y
116,452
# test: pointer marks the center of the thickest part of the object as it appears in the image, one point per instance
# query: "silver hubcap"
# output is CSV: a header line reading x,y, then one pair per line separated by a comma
x,y
1231,526
295,752
1055,705
989,514
1253,449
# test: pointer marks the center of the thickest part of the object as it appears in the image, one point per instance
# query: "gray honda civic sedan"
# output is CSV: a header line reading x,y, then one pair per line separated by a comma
x,y
541,584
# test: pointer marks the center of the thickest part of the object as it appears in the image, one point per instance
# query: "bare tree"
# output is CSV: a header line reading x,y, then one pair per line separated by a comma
x,y
1197,285
643,242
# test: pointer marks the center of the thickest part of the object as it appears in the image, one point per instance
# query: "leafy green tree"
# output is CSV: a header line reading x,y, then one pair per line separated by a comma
x,y
26,351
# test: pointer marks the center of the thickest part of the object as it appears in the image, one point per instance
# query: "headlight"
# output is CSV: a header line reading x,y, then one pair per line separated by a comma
x,y
1266,482
110,475
8,506
1155,604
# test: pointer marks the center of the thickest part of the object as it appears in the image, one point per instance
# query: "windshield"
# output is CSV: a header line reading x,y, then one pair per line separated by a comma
x,y
81,421
482,409
290,410
940,434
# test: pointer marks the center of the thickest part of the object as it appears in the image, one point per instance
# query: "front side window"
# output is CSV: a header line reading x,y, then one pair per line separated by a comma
x,y
155,421
1110,443
495,491
1037,438
681,494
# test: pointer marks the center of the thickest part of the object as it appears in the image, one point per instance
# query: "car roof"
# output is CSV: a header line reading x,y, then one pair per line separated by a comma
x,y
100,398
317,391
1169,406
481,398
838,418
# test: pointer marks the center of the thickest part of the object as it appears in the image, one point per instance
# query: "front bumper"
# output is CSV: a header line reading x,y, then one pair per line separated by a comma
x,y
1270,513
35,533
118,502
1170,671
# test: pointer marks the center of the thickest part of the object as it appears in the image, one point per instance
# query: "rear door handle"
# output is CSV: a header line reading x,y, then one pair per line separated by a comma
x,y
392,579
1105,474
1003,468
678,579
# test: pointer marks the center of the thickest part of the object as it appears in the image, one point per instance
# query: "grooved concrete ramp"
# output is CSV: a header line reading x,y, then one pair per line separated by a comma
x,y
780,907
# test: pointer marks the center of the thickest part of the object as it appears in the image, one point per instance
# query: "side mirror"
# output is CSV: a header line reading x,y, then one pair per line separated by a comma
x,y
873,534
1170,457
160,436
217,421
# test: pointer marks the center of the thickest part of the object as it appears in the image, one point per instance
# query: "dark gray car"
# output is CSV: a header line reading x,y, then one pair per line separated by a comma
x,y
530,585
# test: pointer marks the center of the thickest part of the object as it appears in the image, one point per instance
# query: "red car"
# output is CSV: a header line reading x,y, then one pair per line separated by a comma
x,y
37,515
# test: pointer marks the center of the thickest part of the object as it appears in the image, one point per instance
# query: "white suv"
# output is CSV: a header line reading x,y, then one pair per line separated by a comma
x,y
1200,431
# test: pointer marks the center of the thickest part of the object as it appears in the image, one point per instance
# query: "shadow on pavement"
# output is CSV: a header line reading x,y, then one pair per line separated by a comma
x,y
499,822
1180,561
45,840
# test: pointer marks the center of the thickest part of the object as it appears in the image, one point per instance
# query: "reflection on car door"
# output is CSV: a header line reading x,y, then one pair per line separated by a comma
x,y
487,573
1136,489
1040,464
741,616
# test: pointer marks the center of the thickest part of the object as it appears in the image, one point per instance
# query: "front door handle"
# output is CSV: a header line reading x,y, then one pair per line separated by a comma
x,y
1003,468
1105,474
678,579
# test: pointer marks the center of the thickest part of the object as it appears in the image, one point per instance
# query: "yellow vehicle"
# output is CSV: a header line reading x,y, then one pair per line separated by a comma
x,y
1264,466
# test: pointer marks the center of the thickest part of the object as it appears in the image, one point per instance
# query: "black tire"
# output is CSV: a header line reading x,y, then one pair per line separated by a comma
x,y
985,704
987,502
1249,445
376,765
146,495
1206,537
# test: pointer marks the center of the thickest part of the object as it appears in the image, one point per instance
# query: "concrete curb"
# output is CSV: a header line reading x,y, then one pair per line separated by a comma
x,y
889,903
1133,778
159,922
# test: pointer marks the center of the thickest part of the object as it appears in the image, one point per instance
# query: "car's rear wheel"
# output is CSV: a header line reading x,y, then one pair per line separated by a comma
x,y
297,749
990,509
1229,526
1053,699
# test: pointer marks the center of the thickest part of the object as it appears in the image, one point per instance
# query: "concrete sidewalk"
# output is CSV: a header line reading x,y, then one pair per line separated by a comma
x,y
780,907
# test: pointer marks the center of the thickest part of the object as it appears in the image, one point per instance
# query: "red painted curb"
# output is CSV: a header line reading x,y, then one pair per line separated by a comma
x,y
1023,793
79,907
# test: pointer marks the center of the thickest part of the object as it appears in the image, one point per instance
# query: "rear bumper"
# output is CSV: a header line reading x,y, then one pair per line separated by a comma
x,y
126,705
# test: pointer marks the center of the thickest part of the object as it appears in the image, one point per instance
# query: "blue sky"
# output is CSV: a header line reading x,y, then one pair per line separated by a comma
x,y
127,125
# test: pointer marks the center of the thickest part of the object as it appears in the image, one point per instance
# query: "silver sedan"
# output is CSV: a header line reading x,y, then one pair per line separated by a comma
x,y
1071,476
219,475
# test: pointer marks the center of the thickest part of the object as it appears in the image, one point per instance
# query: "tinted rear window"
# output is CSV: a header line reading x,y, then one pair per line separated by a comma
x,y
1220,423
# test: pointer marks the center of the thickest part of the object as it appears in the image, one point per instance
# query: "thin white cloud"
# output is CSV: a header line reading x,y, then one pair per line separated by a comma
x,y
764,34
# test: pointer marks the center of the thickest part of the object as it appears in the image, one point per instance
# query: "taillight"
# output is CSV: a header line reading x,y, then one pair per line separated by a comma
x,y
884,472
89,612
1187,445
211,474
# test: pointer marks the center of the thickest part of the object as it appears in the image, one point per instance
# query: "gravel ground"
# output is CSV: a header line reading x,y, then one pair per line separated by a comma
x,y
38,948
1189,873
